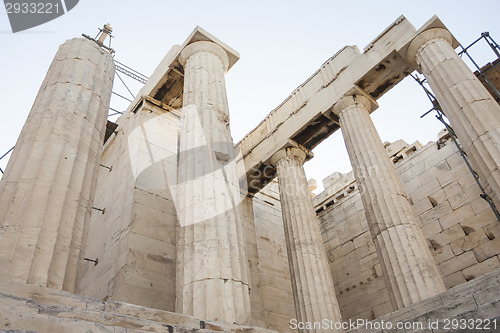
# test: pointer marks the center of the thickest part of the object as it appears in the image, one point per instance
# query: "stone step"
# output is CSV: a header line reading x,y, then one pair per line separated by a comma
x,y
28,308
476,299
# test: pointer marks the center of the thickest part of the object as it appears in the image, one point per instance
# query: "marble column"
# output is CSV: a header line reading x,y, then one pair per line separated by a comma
x,y
47,190
312,284
472,111
409,269
212,270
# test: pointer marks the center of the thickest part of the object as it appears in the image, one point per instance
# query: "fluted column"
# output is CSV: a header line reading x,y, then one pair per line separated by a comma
x,y
47,191
312,284
212,270
409,269
472,111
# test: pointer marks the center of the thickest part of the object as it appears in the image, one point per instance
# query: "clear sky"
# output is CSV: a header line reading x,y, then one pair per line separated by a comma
x,y
281,44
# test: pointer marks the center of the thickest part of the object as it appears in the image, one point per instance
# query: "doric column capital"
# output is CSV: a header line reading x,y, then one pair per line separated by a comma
x,y
291,152
348,102
204,46
421,40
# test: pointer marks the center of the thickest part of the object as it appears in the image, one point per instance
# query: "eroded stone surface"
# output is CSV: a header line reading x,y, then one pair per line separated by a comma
x,y
311,280
212,271
47,191
43,310
409,269
462,304
473,112
134,239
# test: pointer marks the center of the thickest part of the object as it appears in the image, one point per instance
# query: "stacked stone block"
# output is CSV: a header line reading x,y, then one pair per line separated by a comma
x,y
277,307
134,240
460,228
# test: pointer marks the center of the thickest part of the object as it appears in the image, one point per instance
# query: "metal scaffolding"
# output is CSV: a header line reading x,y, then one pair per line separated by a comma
x,y
496,49
119,68
440,115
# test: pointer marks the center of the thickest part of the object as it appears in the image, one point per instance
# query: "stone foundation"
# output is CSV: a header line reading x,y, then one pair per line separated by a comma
x,y
476,299
28,308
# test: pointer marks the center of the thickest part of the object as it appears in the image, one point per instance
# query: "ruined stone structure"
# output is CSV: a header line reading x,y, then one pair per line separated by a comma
x,y
186,231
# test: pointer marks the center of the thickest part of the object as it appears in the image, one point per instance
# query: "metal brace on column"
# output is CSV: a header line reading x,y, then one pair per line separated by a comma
x,y
102,210
436,107
453,136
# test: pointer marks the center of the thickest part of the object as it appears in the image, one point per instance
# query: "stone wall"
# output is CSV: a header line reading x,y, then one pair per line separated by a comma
x,y
354,263
461,230
269,263
134,239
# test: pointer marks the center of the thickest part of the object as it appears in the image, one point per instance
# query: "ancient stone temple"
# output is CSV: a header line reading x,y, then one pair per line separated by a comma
x,y
160,222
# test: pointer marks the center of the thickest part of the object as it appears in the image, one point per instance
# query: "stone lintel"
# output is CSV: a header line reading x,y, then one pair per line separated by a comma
x,y
151,100
383,33
305,116
160,76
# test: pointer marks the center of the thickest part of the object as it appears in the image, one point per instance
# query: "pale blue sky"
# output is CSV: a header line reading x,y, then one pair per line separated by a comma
x,y
281,44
